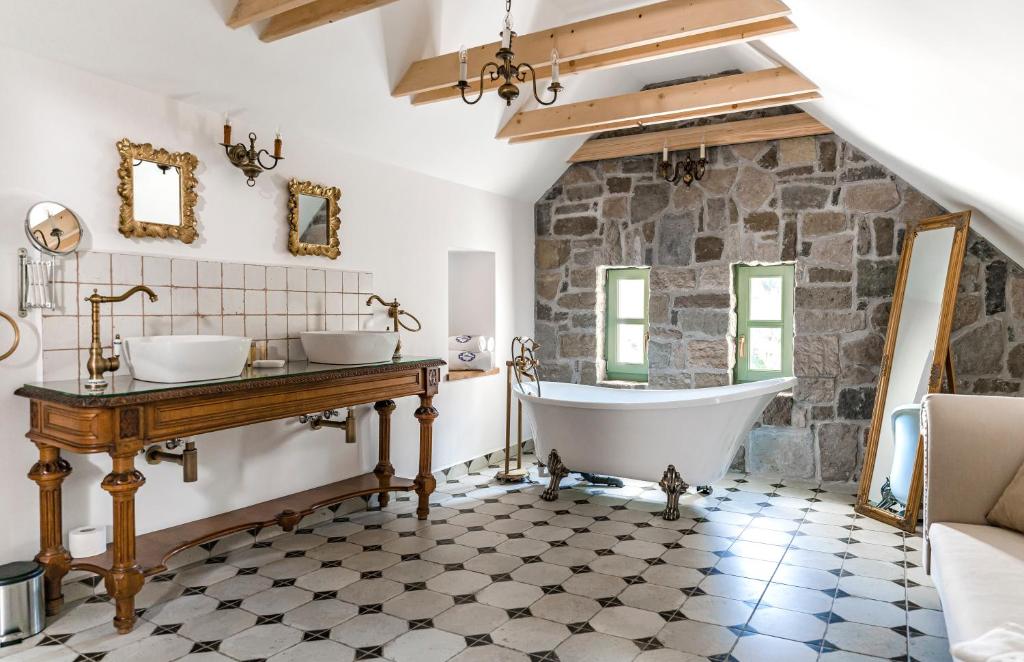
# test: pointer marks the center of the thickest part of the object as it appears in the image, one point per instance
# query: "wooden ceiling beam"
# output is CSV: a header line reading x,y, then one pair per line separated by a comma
x,y
711,96
314,14
670,19
794,125
647,52
253,11
681,116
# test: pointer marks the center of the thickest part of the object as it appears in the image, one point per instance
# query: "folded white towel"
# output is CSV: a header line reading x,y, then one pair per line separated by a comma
x,y
490,344
1003,644
470,343
467,360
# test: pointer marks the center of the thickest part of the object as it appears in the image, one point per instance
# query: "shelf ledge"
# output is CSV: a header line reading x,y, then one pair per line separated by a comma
x,y
459,375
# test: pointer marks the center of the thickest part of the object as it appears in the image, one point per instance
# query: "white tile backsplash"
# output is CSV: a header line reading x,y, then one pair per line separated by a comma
x,y
270,304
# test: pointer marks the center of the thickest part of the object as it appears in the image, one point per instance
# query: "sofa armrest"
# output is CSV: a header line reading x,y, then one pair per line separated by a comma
x,y
973,447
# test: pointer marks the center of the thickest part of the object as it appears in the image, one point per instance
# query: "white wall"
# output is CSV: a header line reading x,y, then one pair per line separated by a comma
x,y
58,133
471,293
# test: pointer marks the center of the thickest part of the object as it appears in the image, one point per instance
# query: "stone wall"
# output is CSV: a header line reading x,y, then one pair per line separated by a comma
x,y
818,202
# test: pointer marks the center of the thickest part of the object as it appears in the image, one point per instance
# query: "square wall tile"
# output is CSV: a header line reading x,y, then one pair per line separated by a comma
x,y
126,269
316,280
296,303
334,280
156,271
209,274
277,302
255,277
256,327
277,327
184,301
209,301
277,278
333,303
157,325
211,325
182,325
232,275
94,267
60,364
366,283
297,279
128,326
162,305
183,273
255,302
233,302
234,325
315,304
60,333
350,282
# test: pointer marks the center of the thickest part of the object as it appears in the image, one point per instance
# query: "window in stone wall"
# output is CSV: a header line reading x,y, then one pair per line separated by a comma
x,y
764,315
627,294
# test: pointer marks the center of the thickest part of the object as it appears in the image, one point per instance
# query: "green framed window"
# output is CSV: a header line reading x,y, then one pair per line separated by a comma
x,y
626,318
764,330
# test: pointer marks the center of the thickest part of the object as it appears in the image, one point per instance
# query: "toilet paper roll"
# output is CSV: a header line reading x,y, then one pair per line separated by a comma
x,y
87,541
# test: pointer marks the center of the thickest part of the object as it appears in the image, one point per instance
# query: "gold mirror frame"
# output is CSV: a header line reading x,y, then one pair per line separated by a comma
x,y
186,164
332,249
942,364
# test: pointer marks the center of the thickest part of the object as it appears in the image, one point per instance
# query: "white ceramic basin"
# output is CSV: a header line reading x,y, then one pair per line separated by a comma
x,y
349,347
173,359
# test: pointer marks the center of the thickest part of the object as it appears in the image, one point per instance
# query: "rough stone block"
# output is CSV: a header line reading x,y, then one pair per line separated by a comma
x,y
675,239
583,192
702,300
754,187
979,351
703,321
715,277
708,354
708,249
583,278
542,219
856,403
824,297
548,284
995,287
826,156
916,206
577,346
578,300
614,209
838,445
871,197
673,278
781,450
577,226
619,184
829,275
762,221
795,151
829,321
864,351
876,278
884,235
837,250
648,200
552,253
779,411
718,180
816,356
815,389
798,197
822,223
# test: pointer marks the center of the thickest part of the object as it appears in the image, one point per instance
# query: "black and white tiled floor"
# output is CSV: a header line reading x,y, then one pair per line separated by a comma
x,y
763,569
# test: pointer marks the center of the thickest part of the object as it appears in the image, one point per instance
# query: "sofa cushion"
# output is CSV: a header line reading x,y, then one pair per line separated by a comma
x,y
979,573
1009,510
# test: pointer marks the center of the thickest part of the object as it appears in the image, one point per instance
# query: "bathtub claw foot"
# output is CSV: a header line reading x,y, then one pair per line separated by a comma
x,y
594,479
705,490
673,486
557,471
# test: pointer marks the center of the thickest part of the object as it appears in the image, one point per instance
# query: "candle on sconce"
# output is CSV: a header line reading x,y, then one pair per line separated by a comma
x,y
703,150
664,152
506,34
554,66
463,63
277,144
227,130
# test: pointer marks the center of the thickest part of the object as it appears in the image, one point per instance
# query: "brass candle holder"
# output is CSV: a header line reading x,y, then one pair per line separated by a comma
x,y
249,159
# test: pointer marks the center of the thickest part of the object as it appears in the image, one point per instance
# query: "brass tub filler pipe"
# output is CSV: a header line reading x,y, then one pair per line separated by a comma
x,y
323,420
188,458
523,364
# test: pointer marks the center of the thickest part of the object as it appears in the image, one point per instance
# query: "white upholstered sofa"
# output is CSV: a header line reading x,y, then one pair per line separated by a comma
x,y
973,448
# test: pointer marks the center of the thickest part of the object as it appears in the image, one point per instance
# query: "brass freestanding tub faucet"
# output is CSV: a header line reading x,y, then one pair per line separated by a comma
x,y
394,312
99,364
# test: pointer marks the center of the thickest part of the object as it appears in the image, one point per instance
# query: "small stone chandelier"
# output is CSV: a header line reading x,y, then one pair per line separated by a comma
x,y
507,70
249,159
684,171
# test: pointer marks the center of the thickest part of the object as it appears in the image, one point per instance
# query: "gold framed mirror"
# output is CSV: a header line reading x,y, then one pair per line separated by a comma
x,y
313,219
915,362
158,192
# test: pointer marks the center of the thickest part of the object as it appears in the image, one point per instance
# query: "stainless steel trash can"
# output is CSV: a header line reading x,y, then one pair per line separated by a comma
x,y
22,608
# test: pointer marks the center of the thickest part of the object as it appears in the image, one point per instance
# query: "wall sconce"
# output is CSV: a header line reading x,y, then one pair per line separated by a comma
x,y
685,171
249,159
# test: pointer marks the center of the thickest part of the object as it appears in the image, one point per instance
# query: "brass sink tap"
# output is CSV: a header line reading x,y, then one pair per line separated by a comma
x,y
395,312
99,364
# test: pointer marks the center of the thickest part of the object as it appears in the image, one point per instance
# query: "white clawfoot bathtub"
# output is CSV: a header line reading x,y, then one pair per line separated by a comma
x,y
679,437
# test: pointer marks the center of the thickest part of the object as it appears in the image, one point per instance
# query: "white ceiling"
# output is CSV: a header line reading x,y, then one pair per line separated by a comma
x,y
928,87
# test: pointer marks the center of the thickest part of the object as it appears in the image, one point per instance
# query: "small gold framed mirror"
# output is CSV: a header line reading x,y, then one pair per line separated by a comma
x,y
313,219
158,192
915,362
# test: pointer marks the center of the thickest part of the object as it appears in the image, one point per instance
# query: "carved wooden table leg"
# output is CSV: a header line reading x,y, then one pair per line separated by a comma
x,y
49,472
384,469
125,579
425,483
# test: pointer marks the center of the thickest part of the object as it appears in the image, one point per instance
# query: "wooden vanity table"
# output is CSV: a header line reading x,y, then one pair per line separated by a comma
x,y
129,415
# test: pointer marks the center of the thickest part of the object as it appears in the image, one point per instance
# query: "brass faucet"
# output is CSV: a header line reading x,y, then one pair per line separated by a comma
x,y
99,364
394,312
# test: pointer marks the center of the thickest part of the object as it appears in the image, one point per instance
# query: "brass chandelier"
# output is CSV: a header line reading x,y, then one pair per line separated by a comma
x,y
507,70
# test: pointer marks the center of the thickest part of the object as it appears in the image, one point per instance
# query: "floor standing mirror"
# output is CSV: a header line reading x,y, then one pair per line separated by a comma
x,y
915,362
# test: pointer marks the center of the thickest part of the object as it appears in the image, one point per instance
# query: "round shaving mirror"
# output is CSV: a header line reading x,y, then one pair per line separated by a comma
x,y
53,228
